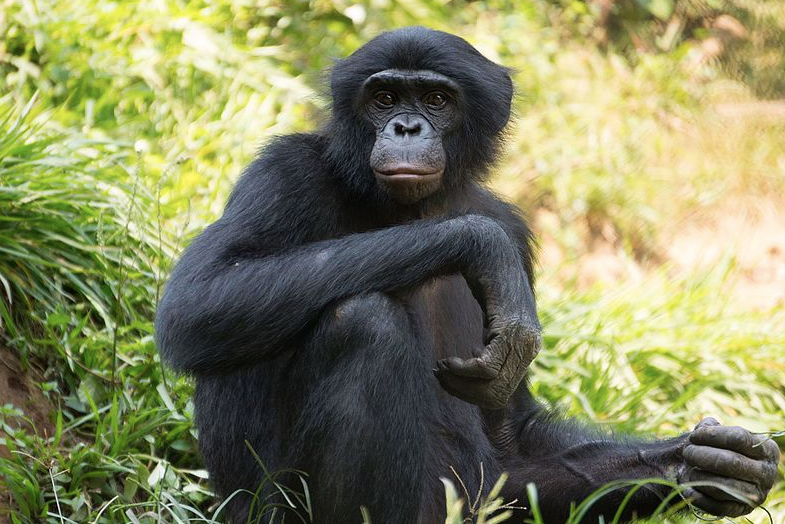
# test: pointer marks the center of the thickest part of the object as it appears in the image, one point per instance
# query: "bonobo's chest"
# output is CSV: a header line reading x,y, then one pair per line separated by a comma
x,y
447,316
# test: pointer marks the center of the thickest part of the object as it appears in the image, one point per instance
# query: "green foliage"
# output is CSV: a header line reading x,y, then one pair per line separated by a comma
x,y
80,276
191,82
648,350
745,36
67,224
758,59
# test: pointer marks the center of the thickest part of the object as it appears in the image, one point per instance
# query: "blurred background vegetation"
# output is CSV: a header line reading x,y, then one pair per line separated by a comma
x,y
648,150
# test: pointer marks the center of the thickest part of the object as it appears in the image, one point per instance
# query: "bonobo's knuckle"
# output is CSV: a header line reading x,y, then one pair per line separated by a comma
x,y
769,472
771,450
525,333
532,338
738,437
708,421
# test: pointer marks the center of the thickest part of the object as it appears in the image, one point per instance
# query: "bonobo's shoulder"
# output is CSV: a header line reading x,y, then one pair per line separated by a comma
x,y
488,203
289,163
297,146
296,155
285,169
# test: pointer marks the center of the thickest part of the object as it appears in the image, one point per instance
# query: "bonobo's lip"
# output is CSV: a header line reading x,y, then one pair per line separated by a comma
x,y
404,173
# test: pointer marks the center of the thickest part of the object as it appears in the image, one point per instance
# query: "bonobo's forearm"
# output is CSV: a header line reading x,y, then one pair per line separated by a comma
x,y
713,464
568,463
225,311
577,472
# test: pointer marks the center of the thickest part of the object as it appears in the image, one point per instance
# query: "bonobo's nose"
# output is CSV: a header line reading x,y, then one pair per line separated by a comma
x,y
404,125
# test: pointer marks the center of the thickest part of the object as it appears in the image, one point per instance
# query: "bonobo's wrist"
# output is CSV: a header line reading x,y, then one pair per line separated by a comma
x,y
666,460
673,460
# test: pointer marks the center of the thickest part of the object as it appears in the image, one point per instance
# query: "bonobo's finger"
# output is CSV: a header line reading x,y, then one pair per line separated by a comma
x,y
476,367
729,464
720,508
491,394
736,439
750,493
471,390
708,421
490,379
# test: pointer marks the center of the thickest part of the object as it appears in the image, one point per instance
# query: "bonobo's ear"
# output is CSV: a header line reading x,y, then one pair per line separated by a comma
x,y
495,100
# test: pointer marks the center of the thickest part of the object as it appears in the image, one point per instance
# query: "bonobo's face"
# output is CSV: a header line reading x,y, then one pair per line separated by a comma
x,y
411,112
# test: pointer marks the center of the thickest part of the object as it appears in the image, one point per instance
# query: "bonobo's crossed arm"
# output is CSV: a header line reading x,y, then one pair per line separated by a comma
x,y
226,304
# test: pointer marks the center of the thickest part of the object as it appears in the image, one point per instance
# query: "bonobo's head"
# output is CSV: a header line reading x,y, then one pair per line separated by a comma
x,y
410,111
416,113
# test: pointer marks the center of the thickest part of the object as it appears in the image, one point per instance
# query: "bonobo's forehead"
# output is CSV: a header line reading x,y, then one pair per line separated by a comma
x,y
483,88
411,78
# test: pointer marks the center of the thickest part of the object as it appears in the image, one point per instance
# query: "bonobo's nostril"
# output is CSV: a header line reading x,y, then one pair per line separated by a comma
x,y
403,128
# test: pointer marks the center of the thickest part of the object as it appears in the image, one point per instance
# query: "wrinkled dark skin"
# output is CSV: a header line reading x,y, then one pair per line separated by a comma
x,y
364,312
728,457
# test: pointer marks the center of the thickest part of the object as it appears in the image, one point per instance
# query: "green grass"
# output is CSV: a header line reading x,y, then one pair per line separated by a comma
x,y
142,114
66,227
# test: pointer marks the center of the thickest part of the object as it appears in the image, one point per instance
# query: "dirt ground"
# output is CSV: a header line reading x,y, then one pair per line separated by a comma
x,y
19,388
756,237
752,235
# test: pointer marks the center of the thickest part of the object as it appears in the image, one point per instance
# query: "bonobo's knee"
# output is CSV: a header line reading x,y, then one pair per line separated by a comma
x,y
368,315
364,329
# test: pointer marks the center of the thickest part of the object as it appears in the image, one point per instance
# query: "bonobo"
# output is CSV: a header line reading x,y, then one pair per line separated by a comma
x,y
363,312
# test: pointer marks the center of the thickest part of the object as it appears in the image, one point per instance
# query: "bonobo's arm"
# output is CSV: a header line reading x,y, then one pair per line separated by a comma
x,y
232,300
568,463
226,307
486,379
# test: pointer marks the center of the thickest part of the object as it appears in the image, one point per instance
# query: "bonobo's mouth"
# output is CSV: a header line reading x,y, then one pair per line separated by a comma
x,y
408,184
407,173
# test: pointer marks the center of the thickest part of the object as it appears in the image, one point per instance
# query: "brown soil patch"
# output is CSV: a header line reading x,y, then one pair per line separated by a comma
x,y
18,388
765,110
753,233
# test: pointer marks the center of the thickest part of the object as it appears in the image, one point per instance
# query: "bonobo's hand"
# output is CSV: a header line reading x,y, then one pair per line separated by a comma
x,y
498,280
730,457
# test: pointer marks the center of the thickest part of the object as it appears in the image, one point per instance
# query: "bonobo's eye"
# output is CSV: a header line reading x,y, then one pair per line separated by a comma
x,y
435,99
384,99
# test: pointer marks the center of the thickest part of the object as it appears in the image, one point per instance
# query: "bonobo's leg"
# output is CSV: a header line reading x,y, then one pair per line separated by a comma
x,y
361,435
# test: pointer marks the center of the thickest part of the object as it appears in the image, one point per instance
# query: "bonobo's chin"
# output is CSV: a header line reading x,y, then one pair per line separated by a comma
x,y
409,187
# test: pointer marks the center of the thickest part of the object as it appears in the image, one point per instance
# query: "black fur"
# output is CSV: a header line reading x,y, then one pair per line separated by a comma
x,y
314,310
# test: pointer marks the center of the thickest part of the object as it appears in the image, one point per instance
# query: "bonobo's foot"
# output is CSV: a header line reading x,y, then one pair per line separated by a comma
x,y
732,461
